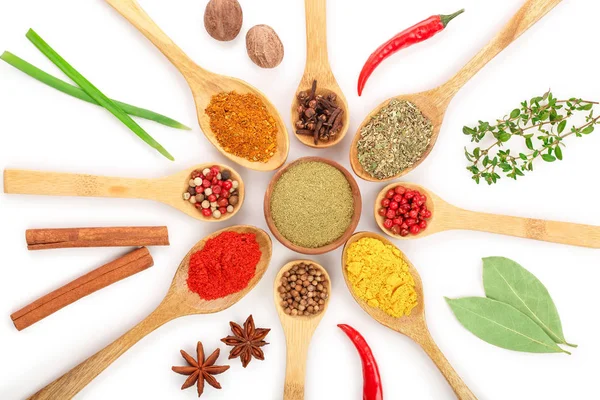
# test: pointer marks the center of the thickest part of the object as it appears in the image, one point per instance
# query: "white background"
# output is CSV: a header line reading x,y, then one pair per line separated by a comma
x,y
43,129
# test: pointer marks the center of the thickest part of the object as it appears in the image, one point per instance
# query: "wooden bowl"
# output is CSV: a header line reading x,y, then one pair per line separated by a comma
x,y
430,203
190,209
333,245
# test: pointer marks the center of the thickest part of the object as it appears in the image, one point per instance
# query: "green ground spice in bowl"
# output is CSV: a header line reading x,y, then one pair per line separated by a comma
x,y
394,139
312,204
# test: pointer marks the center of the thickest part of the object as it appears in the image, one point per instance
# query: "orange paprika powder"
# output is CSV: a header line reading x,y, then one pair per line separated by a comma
x,y
243,126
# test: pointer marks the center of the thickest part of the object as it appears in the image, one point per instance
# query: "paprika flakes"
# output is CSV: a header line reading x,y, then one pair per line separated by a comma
x,y
243,126
225,265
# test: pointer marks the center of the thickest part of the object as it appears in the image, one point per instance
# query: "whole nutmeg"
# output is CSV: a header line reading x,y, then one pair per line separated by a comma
x,y
264,46
223,19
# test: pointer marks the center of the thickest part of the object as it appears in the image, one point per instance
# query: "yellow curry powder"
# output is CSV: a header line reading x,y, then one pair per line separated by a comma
x,y
243,126
380,276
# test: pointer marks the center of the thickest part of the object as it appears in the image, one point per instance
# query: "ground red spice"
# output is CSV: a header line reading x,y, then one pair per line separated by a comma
x,y
224,266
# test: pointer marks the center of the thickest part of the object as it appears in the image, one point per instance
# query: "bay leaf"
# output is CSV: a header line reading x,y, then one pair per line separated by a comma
x,y
507,281
502,325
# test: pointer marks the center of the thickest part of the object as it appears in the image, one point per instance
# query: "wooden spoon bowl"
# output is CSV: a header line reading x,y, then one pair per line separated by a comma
x,y
433,108
205,85
298,333
445,216
434,103
179,301
331,246
318,68
414,326
430,203
168,190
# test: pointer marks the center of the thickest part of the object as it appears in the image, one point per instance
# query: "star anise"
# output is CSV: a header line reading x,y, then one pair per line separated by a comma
x,y
246,342
201,370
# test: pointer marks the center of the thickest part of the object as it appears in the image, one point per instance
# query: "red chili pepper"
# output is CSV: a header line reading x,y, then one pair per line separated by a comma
x,y
416,34
372,389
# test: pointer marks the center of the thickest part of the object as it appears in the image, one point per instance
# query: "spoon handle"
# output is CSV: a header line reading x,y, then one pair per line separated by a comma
x,y
531,12
298,341
71,383
538,229
461,390
133,12
59,184
317,59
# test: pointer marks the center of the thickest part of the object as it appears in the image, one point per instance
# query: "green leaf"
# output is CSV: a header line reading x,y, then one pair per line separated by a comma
x,y
93,92
515,113
558,152
562,126
504,137
588,130
529,143
502,325
548,158
506,281
469,131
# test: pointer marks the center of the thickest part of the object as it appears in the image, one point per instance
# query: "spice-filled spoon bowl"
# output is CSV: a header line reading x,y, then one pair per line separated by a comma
x,y
414,325
445,216
312,218
426,122
169,190
319,91
299,329
204,85
178,302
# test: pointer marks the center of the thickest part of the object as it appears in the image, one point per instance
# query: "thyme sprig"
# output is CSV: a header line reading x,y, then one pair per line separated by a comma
x,y
541,123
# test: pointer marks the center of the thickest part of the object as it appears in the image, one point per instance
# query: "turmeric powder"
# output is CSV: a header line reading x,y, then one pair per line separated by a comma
x,y
380,276
243,126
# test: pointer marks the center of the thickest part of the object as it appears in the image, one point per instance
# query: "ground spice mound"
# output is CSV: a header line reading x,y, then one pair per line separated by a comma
x,y
380,276
225,265
243,126
312,204
394,139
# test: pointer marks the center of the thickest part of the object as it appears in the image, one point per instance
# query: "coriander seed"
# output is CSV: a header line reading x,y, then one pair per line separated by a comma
x,y
303,290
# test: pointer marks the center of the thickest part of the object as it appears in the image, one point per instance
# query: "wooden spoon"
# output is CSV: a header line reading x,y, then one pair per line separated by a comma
x,y
331,246
298,333
414,326
178,302
204,84
168,190
434,103
317,68
448,217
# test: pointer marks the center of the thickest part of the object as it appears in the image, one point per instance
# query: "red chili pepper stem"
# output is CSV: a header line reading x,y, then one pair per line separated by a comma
x,y
447,18
372,388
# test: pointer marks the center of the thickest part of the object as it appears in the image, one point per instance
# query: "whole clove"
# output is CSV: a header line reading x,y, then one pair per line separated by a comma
x,y
318,116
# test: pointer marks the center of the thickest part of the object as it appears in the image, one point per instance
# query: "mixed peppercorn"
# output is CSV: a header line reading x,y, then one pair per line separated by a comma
x,y
213,192
404,211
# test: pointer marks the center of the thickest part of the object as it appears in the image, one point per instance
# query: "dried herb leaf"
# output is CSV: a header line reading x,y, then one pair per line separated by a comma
x,y
502,325
507,281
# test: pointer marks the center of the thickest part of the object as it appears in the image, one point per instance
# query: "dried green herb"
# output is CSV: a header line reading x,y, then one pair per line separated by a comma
x,y
506,281
394,139
502,325
312,204
542,125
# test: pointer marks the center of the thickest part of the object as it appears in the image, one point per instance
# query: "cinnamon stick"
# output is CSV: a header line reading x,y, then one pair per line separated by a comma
x,y
121,268
40,239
